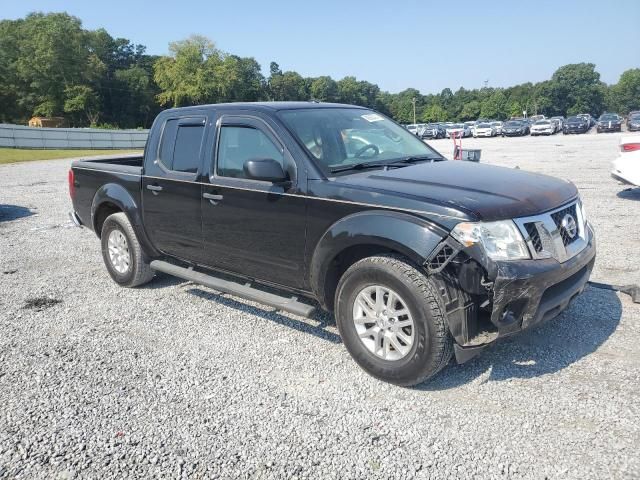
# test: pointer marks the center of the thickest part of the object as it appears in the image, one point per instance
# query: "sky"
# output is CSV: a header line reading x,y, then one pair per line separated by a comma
x,y
398,44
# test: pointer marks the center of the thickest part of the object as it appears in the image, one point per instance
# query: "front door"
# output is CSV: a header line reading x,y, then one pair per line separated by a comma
x,y
170,191
252,227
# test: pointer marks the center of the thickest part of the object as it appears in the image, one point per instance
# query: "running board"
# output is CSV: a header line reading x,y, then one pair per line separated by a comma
x,y
246,291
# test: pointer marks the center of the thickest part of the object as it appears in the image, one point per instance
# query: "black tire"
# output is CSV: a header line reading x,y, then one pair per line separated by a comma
x,y
432,346
138,272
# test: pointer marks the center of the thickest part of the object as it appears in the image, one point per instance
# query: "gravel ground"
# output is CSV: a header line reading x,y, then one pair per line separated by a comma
x,y
174,380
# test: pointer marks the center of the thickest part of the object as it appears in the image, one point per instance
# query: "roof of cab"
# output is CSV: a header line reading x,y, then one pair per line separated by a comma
x,y
264,106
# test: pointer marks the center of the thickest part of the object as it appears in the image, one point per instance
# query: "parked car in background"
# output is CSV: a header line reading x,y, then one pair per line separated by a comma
x,y
626,168
484,130
633,122
536,118
588,118
560,120
412,127
609,122
459,129
433,131
515,128
575,124
498,127
543,127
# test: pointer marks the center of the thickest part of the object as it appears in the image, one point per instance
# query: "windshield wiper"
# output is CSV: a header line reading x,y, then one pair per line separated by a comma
x,y
363,165
414,159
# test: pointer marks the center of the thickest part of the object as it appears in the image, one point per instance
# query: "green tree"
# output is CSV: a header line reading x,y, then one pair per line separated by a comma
x,y
576,88
470,111
82,100
239,79
324,89
625,95
288,86
435,113
49,55
495,106
186,76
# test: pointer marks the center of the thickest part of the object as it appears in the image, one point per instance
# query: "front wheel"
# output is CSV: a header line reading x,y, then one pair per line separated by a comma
x,y
392,320
123,256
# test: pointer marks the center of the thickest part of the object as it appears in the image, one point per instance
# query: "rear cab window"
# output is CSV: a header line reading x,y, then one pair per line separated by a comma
x,y
181,145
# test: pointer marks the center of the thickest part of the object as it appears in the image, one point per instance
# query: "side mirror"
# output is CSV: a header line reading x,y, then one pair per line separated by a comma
x,y
266,169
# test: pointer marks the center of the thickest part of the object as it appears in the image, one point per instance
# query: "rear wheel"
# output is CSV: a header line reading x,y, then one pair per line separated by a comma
x,y
122,254
392,320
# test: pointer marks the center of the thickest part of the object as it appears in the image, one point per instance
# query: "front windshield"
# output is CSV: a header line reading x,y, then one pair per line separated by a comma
x,y
513,124
608,117
543,122
484,125
339,137
456,125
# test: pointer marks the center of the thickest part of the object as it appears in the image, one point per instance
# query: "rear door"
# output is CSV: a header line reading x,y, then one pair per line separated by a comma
x,y
252,227
171,192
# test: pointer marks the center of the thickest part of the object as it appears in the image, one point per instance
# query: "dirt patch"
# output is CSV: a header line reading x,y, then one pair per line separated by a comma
x,y
40,303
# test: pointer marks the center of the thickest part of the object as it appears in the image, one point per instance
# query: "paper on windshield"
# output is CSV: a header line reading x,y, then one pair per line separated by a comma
x,y
372,117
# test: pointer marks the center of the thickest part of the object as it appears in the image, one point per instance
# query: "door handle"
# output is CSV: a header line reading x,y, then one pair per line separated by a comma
x,y
214,199
154,189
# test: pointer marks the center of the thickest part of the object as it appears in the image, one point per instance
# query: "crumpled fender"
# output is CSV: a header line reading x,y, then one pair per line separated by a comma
x,y
407,234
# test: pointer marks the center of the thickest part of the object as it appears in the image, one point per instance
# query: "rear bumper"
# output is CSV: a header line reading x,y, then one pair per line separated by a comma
x,y
75,219
529,293
619,176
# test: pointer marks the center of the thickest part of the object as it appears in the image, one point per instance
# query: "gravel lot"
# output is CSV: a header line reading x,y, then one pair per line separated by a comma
x,y
174,380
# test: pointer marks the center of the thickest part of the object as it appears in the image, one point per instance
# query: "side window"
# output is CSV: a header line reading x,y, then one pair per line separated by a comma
x,y
180,145
239,144
168,140
186,154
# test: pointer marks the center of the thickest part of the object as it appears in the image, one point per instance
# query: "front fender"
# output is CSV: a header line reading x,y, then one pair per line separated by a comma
x,y
406,234
117,195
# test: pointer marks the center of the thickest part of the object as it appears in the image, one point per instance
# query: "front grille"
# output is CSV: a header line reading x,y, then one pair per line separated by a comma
x,y
548,235
558,218
534,236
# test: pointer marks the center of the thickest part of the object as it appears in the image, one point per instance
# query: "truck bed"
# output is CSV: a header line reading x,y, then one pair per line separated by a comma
x,y
119,171
129,163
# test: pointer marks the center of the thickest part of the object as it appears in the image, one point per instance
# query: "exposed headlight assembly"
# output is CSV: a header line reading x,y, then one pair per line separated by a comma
x,y
500,240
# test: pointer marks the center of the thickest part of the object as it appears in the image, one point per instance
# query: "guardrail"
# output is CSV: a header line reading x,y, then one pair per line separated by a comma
x,y
18,136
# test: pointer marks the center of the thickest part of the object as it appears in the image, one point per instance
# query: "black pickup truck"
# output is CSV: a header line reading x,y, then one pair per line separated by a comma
x,y
298,205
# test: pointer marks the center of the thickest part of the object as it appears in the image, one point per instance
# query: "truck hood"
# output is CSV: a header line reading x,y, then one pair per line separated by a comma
x,y
485,191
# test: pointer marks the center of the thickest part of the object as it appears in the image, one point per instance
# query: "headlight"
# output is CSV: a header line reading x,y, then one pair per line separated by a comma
x,y
500,240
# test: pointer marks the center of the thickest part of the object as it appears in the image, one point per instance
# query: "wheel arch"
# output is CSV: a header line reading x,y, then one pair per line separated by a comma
x,y
365,234
113,198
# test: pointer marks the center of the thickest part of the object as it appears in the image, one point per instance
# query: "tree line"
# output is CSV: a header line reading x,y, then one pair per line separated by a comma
x,y
51,66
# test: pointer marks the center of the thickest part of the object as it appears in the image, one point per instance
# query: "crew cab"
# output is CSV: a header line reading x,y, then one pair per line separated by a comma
x,y
300,206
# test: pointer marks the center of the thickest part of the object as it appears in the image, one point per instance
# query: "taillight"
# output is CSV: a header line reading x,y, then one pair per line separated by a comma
x,y
630,147
72,184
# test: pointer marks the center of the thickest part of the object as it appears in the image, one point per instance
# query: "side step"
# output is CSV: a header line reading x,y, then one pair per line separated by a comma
x,y
246,291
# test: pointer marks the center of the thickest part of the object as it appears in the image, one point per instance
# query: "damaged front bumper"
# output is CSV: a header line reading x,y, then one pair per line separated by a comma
x,y
526,293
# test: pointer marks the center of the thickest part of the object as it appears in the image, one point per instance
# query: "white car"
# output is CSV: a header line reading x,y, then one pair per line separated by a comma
x,y
413,128
459,129
498,127
484,130
543,127
626,168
